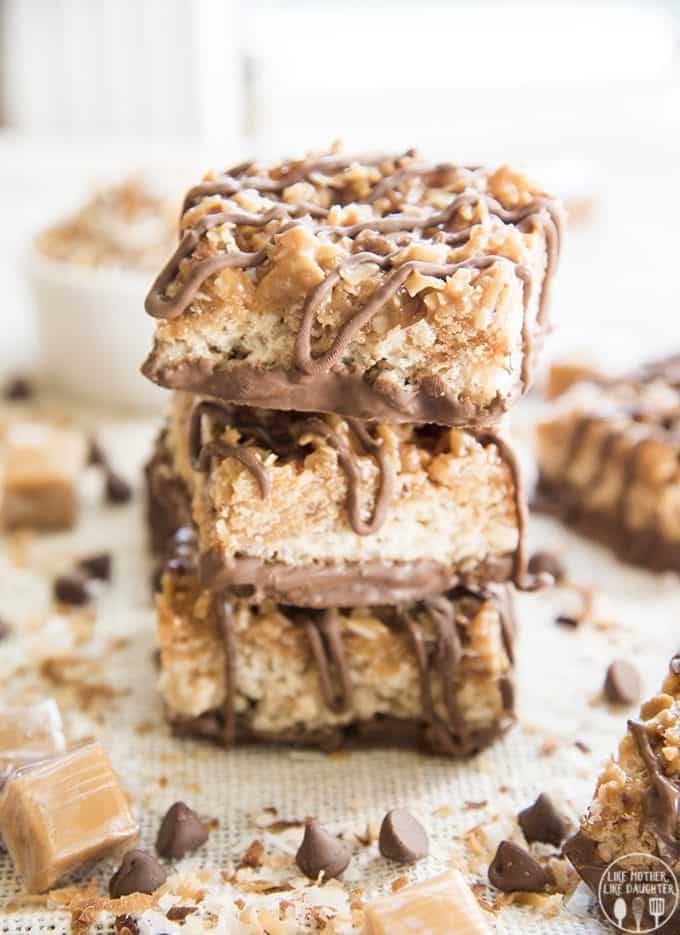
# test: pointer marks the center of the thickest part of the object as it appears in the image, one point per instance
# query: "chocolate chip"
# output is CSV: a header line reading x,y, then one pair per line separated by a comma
x,y
179,913
181,831
402,837
548,563
139,872
622,684
17,390
96,453
71,588
117,489
514,870
125,925
97,566
5,629
321,851
675,664
565,620
542,822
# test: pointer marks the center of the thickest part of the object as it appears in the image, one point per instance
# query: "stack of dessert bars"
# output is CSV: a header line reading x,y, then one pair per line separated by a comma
x,y
339,518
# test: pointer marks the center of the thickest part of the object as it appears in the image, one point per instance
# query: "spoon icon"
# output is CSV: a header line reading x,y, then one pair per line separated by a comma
x,y
620,910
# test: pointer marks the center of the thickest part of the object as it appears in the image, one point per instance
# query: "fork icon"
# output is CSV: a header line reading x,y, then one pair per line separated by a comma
x,y
657,907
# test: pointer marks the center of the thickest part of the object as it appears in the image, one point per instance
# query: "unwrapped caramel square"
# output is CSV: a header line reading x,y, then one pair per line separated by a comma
x,y
443,905
40,465
60,812
29,733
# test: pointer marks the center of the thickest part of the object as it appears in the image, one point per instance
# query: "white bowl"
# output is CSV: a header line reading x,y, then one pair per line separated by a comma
x,y
93,333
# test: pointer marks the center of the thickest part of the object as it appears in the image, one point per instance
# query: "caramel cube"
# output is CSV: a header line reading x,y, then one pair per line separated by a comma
x,y
441,906
40,465
59,813
29,733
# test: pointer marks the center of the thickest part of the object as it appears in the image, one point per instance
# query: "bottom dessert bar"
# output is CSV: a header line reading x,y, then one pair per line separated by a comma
x,y
608,461
437,674
632,822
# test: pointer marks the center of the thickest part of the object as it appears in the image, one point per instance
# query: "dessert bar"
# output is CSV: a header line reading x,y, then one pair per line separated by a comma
x,y
320,511
385,288
608,459
436,674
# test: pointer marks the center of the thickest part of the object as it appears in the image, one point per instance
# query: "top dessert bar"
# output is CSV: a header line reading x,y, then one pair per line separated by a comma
x,y
608,459
383,288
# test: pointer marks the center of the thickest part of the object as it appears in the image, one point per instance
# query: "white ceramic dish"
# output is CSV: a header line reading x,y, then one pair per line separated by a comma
x,y
93,333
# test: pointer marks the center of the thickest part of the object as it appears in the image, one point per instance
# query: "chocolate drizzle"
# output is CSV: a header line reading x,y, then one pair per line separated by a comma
x,y
628,428
447,657
201,455
327,649
309,364
662,801
284,443
348,463
539,213
445,661
523,580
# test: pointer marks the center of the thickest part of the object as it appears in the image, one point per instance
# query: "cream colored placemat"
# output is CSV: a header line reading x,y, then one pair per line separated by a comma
x,y
109,689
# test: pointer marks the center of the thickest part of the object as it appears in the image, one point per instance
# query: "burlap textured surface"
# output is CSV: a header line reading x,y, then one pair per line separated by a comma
x,y
104,678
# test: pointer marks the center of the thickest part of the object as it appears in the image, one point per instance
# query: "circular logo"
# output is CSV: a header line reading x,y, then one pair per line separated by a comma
x,y
638,893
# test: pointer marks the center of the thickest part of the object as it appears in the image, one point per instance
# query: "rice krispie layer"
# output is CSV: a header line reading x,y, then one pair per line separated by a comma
x,y
322,511
378,288
635,807
436,674
608,459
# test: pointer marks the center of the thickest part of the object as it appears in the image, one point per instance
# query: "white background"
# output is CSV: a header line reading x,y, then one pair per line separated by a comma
x,y
585,94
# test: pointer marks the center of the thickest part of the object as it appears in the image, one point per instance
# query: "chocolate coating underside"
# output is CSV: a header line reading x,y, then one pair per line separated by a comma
x,y
332,392
342,584
645,548
392,732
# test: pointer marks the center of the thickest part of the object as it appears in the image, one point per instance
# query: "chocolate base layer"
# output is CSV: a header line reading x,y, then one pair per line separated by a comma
x,y
377,732
342,584
348,395
582,852
642,547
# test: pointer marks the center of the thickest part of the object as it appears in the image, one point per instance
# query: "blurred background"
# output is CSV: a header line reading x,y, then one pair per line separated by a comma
x,y
584,94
